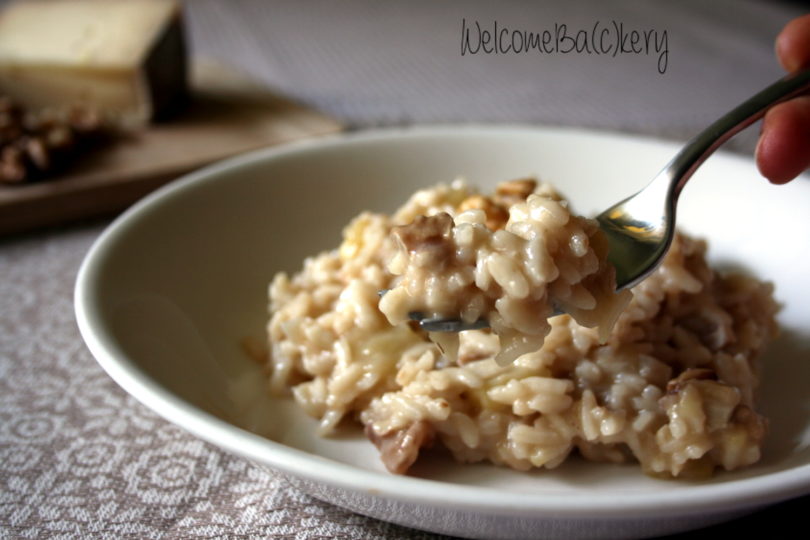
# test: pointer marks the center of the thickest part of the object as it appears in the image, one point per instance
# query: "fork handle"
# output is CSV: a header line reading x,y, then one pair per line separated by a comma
x,y
700,147
641,227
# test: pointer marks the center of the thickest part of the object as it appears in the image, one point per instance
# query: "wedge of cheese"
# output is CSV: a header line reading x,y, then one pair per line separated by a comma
x,y
125,59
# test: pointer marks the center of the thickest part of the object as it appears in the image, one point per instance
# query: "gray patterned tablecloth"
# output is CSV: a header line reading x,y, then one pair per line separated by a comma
x,y
80,458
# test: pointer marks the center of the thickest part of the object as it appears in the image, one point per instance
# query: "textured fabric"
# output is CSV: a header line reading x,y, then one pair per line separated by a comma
x,y
79,458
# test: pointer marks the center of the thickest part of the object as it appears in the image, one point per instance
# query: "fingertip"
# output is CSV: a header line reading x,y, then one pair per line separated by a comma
x,y
767,159
793,44
782,151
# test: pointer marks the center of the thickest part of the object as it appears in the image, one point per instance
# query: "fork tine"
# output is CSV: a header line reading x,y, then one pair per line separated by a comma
x,y
438,324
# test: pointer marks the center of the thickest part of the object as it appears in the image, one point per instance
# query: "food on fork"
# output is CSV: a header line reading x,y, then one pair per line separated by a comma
x,y
512,268
670,385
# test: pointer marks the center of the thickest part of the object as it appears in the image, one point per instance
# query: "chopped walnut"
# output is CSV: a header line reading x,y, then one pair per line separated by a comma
x,y
424,230
496,208
12,169
518,190
676,385
428,237
497,215
755,425
399,449
35,144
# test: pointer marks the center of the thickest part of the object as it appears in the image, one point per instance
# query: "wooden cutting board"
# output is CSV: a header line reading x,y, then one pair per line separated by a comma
x,y
229,113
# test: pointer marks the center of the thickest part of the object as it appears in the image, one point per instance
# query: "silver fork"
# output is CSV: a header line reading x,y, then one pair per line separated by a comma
x,y
640,228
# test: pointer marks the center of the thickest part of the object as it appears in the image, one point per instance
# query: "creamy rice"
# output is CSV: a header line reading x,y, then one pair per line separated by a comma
x,y
514,277
670,382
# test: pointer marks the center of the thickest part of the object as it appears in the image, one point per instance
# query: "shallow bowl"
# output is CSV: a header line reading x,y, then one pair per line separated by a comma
x,y
167,294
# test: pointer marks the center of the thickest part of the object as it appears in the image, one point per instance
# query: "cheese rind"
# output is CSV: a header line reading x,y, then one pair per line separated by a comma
x,y
125,59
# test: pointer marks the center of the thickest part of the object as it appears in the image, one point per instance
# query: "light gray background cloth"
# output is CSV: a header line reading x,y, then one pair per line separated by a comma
x,y
80,458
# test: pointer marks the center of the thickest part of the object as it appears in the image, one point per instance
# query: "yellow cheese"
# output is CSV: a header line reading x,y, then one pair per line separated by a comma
x,y
124,58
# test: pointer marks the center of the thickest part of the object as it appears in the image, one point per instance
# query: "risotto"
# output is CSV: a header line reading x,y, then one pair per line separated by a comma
x,y
512,275
665,375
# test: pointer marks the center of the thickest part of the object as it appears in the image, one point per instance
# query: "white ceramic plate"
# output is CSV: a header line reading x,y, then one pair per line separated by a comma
x,y
170,289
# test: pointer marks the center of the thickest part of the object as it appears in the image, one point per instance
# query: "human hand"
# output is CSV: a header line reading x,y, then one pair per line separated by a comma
x,y
783,151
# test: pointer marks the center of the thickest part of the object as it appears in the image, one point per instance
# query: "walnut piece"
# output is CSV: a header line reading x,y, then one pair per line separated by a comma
x,y
497,215
399,449
676,385
35,144
425,230
428,237
519,189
